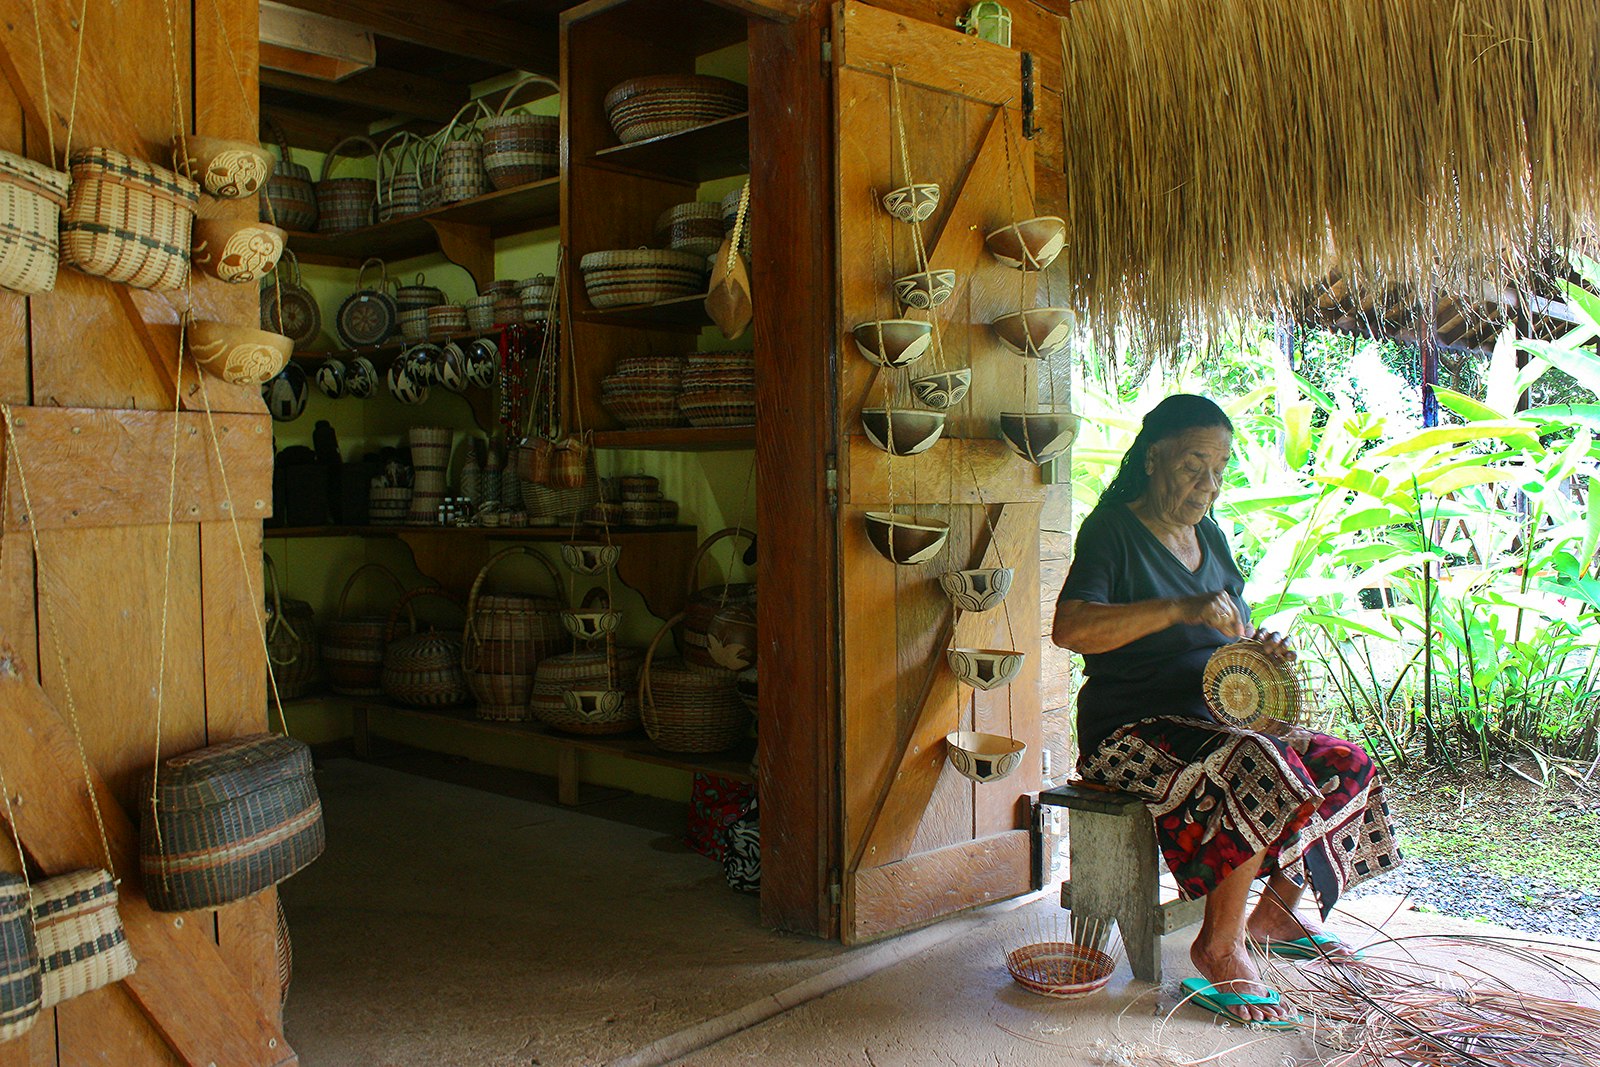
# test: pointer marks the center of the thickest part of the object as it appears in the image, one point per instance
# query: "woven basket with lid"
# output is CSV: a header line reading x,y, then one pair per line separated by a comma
x,y
82,943
31,198
623,277
589,668
423,668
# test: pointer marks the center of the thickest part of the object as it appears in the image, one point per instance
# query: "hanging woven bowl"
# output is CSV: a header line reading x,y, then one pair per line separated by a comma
x,y
590,557
912,203
985,668
943,389
904,539
1031,244
979,589
1036,333
983,757
892,342
226,169
902,431
925,289
1038,436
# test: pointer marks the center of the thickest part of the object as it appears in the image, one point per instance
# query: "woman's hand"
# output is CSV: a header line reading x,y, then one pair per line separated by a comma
x,y
1216,610
1275,645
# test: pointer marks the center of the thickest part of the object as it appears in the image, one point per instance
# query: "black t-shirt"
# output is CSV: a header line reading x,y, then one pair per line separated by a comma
x,y
1118,560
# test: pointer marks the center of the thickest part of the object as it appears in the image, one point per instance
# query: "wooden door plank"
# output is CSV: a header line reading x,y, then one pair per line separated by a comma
x,y
868,678
872,39
900,802
1003,476
1015,709
866,237
90,468
182,983
935,884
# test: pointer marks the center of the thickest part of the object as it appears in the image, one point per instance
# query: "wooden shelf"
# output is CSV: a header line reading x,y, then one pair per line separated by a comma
x,y
493,533
508,211
684,313
680,439
718,149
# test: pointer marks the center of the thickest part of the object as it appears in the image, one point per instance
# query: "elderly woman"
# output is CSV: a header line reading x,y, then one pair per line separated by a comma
x,y
1152,593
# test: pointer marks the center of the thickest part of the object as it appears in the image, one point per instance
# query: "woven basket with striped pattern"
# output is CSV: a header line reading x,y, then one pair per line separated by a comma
x,y
82,945
31,198
127,220
228,821
19,960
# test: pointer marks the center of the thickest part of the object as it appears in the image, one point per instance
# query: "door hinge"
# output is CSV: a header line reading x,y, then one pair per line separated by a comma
x,y
831,481
827,49
1028,128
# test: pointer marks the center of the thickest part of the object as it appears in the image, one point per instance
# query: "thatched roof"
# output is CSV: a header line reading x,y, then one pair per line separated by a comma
x,y
1224,155
1459,322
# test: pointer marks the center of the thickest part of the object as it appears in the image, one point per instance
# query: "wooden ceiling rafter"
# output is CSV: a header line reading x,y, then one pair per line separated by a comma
x,y
382,89
449,27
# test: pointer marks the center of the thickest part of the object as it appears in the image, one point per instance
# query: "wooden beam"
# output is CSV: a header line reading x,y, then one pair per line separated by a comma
x,y
877,41
183,984
317,132
449,27
932,885
94,467
776,10
382,89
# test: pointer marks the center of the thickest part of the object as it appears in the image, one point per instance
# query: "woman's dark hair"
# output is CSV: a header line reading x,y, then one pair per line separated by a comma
x,y
1174,415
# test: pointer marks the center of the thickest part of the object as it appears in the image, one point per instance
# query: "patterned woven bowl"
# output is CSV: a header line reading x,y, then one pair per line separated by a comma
x,y
985,668
1031,244
892,342
1036,333
942,389
1060,969
980,589
983,757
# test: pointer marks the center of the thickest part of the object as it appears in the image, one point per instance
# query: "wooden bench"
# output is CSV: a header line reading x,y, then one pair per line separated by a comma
x,y
1116,872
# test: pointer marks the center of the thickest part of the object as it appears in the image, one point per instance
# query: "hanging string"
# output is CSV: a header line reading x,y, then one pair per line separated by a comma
x,y
5,791
179,125
77,69
44,83
55,633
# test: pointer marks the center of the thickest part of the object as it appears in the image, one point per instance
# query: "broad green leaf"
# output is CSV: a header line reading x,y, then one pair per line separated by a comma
x,y
1323,400
1340,624
1581,364
1466,407
1451,480
1437,436
1373,518
1591,537
1297,434
1586,304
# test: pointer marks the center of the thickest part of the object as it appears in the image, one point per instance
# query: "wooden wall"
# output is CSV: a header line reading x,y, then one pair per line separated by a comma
x,y
90,371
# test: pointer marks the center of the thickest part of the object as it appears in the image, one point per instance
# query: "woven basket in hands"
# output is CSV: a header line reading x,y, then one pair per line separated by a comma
x,y
519,148
1247,688
31,198
352,645
506,636
423,668
127,220
82,945
460,170
228,821
345,204
19,960
704,603
289,199
686,708
291,641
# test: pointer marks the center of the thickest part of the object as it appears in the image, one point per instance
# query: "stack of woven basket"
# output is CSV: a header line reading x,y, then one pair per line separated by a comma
x,y
643,392
662,104
719,389
430,455
412,303
629,277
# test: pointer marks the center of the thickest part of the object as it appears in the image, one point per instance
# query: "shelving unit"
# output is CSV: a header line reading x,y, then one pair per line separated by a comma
x,y
718,149
369,715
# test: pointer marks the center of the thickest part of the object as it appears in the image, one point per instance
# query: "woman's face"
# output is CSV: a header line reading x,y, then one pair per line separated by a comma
x,y
1186,473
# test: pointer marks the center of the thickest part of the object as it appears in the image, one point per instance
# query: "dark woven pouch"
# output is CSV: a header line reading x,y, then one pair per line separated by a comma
x,y
233,819
19,960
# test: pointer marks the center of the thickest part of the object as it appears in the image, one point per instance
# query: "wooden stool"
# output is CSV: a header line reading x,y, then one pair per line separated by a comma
x,y
1116,872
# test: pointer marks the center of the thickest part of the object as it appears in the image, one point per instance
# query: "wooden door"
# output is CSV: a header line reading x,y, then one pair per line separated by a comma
x,y
90,371
919,840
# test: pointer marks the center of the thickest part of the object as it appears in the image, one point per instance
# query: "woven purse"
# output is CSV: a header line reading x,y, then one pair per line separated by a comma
x,y
423,669
506,636
686,708
519,148
289,199
460,170
399,189
127,220
352,645
82,945
228,821
288,307
20,990
31,198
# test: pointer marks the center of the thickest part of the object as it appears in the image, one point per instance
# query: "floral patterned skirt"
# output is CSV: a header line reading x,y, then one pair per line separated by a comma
x,y
1219,795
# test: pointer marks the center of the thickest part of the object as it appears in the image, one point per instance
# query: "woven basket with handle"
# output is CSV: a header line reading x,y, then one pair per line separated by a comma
x,y
291,640
459,169
519,148
686,708
288,307
399,189
423,668
127,220
352,645
227,821
31,198
289,199
506,636
345,204
82,944
606,665
704,603
19,960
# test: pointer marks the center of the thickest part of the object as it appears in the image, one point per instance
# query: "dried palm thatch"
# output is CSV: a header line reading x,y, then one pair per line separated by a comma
x,y
1222,156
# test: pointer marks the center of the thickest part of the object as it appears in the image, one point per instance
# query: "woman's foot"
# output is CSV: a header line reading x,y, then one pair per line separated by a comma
x,y
1269,922
1229,969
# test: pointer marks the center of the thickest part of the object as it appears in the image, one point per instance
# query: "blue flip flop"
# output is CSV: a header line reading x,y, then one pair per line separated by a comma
x,y
1315,947
1215,1000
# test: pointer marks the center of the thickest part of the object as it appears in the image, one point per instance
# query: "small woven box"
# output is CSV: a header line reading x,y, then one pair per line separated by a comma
x,y
228,821
31,198
82,945
127,220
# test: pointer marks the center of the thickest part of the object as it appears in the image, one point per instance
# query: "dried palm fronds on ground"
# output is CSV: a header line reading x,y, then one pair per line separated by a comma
x,y
1222,156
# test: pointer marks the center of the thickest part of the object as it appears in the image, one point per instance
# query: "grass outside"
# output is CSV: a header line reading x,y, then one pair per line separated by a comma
x,y
1502,824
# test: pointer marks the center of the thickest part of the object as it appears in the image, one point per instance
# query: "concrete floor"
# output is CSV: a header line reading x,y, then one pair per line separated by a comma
x,y
447,925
